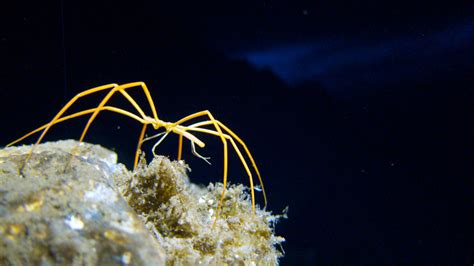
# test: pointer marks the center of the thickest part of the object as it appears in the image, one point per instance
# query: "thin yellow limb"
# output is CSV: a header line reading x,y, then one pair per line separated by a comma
x,y
237,150
195,153
122,89
147,94
137,107
96,110
133,102
163,136
110,94
63,110
179,130
249,154
140,141
180,147
224,143
250,157
182,132
81,113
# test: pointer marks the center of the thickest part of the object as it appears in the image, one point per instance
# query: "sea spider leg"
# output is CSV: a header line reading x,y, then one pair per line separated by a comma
x,y
180,147
249,154
163,136
224,143
211,118
154,137
114,88
214,122
63,110
155,116
121,89
195,153
147,94
139,145
78,114
237,150
153,109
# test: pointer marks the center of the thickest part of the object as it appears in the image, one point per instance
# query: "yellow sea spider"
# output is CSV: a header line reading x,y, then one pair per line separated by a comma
x,y
217,129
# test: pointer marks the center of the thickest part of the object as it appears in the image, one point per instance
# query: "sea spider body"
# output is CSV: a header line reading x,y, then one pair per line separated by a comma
x,y
210,126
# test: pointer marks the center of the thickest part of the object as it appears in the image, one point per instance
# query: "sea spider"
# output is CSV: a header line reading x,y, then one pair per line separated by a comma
x,y
217,129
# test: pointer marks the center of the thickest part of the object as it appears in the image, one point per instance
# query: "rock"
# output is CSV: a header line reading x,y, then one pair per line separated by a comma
x,y
88,210
59,211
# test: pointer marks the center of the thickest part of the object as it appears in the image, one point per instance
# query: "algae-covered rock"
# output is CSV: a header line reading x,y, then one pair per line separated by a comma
x,y
89,210
59,211
181,215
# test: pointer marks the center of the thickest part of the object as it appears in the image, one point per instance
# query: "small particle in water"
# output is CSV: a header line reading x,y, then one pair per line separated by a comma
x,y
74,222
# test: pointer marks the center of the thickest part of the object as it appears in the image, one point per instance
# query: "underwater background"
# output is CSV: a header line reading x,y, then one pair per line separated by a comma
x,y
358,113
